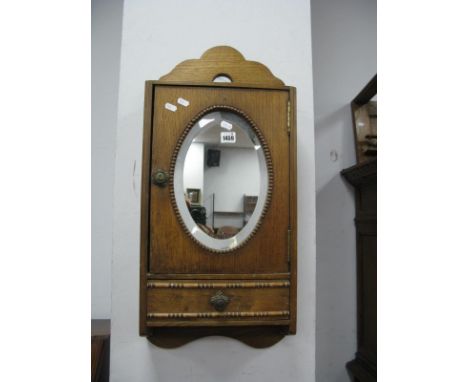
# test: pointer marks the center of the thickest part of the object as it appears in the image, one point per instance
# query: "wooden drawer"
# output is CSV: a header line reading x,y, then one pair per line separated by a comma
x,y
196,303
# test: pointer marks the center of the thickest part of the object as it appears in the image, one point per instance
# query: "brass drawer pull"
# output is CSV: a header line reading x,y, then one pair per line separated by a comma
x,y
219,301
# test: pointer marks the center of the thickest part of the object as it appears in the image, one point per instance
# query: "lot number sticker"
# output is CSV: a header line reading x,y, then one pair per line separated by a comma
x,y
228,137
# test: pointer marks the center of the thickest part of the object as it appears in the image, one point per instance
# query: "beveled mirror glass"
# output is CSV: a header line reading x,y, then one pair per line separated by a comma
x,y
221,180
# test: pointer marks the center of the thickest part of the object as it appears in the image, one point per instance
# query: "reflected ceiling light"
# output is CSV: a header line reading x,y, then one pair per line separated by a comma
x,y
233,242
204,121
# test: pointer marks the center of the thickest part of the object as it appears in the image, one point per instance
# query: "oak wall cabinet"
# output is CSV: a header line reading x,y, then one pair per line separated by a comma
x,y
212,268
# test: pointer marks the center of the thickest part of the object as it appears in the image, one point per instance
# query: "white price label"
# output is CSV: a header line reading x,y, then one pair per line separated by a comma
x,y
228,137
170,106
183,102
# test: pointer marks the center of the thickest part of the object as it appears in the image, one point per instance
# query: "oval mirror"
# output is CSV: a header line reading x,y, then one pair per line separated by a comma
x,y
221,180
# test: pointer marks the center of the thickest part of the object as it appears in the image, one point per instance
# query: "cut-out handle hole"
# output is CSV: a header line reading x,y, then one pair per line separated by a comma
x,y
222,78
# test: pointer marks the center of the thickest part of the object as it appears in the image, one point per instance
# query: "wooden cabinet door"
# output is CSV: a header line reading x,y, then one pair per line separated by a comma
x,y
171,250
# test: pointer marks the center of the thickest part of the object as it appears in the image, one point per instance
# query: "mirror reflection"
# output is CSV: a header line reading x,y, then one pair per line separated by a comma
x,y
365,117
221,180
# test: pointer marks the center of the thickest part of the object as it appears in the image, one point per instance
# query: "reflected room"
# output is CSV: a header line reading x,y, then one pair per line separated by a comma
x,y
221,174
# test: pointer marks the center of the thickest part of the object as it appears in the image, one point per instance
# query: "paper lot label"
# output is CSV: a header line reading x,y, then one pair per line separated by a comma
x,y
228,137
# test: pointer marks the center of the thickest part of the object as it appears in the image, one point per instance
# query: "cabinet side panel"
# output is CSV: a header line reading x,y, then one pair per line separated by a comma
x,y
293,210
145,188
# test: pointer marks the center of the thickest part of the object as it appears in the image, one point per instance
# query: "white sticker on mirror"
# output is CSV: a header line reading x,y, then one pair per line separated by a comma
x,y
228,137
183,102
226,125
170,106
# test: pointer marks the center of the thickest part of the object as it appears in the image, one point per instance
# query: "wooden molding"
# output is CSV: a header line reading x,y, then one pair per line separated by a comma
x,y
222,285
361,173
222,60
367,93
217,276
281,313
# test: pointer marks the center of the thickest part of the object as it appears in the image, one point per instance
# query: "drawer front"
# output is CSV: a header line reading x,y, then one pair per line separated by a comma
x,y
221,301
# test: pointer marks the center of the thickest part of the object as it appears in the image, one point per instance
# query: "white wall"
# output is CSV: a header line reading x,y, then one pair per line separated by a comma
x,y
344,57
156,36
194,167
238,174
106,19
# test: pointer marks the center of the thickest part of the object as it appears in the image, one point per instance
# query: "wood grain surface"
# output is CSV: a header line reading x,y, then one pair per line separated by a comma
x,y
222,60
170,249
244,297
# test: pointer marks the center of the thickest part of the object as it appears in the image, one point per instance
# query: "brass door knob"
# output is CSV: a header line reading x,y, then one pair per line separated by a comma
x,y
160,178
219,301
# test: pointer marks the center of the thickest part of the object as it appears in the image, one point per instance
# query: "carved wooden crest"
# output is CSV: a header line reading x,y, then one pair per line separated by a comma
x,y
225,61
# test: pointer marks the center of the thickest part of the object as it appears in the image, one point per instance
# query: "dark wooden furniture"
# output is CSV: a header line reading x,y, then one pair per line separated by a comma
x,y
100,350
364,178
250,202
188,291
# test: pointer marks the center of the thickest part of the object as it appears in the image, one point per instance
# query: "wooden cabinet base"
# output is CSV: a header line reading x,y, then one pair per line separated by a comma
x,y
257,337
